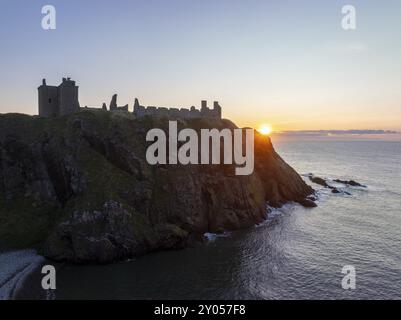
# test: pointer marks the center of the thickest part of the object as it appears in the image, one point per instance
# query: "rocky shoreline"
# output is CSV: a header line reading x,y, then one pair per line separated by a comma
x,y
79,188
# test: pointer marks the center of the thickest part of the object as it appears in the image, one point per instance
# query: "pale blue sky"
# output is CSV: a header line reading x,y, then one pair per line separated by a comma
x,y
288,63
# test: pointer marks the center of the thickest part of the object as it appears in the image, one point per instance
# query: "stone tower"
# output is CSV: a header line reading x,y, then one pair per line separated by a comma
x,y
68,97
217,109
58,101
48,100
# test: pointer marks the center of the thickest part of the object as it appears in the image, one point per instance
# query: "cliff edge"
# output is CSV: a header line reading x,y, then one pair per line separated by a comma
x,y
79,188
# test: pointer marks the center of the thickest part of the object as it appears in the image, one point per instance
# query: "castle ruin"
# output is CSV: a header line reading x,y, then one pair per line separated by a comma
x,y
63,100
58,101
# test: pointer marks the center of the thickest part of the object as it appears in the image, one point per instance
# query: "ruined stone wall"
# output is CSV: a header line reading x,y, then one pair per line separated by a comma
x,y
63,100
141,111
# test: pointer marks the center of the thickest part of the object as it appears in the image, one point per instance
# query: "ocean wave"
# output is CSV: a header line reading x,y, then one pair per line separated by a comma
x,y
15,266
273,213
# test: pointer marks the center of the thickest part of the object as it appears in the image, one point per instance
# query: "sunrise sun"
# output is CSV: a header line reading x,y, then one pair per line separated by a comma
x,y
265,129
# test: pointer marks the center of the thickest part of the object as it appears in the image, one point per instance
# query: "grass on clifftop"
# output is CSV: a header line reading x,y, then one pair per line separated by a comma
x,y
26,221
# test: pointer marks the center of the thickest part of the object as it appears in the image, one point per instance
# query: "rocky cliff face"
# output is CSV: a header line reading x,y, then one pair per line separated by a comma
x,y
80,189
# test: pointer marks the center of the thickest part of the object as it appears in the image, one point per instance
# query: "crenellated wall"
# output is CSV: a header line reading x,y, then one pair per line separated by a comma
x,y
205,112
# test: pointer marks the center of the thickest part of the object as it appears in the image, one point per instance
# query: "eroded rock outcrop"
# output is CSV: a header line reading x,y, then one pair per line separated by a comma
x,y
80,188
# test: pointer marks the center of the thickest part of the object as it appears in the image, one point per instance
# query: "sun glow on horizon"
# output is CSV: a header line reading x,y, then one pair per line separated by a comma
x,y
265,129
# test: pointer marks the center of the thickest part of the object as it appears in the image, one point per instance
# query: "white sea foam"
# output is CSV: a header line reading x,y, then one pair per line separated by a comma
x,y
15,266
213,236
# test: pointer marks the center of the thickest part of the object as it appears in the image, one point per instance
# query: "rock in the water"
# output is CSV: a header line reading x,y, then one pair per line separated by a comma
x,y
323,182
307,203
318,180
351,183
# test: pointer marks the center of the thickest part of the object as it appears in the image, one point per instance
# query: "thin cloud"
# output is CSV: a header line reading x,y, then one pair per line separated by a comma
x,y
338,132
348,48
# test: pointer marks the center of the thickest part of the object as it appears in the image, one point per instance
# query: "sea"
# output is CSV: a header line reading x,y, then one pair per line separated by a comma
x,y
297,253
